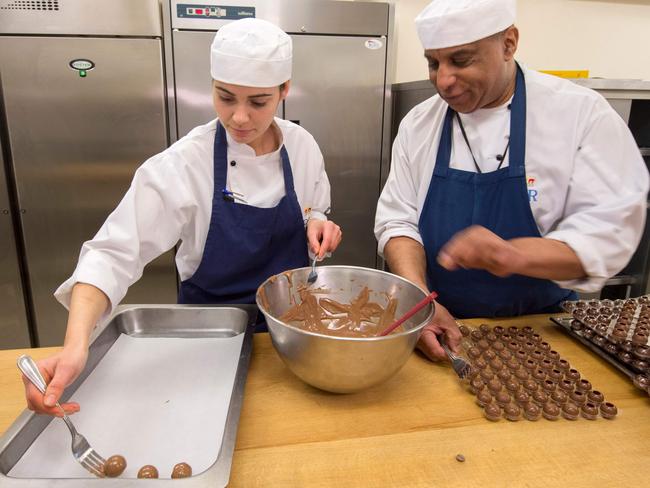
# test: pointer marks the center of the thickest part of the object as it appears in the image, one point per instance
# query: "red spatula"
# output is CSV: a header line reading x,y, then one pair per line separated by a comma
x,y
419,306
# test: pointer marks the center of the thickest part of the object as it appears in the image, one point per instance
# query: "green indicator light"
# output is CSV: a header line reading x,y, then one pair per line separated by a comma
x,y
82,73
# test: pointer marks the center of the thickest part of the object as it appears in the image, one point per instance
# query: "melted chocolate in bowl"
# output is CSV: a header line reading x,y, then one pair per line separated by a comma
x,y
359,318
326,333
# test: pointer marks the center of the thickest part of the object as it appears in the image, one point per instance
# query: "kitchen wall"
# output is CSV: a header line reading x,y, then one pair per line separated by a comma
x,y
607,37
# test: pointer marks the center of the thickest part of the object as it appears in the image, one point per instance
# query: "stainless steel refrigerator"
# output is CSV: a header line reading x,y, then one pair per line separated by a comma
x,y
339,93
84,105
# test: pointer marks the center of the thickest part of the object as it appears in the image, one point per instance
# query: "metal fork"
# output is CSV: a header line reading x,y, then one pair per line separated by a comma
x,y
81,449
313,276
461,367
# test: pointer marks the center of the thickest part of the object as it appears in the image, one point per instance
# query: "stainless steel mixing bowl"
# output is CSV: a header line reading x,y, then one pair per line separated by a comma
x,y
343,364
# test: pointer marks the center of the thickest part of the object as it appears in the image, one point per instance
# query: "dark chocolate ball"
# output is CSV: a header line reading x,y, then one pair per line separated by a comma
x,y
114,466
148,471
182,470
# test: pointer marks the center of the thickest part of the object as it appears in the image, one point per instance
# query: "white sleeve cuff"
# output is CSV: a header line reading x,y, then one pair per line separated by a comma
x,y
589,258
387,235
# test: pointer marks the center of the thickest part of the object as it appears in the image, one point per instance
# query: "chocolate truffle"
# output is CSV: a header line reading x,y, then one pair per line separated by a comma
x,y
483,344
521,355
484,328
487,375
181,470
566,385
539,374
532,411
511,384
642,352
537,355
480,363
559,397
513,346
476,385
642,366
498,330
527,330
595,397
512,364
494,385
474,352
608,410
521,374
562,365
491,337
492,411
148,471
502,398
512,330
547,364
583,385
505,354
498,346
589,411
512,412
464,330
641,381
504,375
553,355
544,346
570,411
529,346
579,397
549,386
522,397
530,364
572,375
555,374
496,364
551,411
540,397
489,355
476,335
483,398
530,385
114,466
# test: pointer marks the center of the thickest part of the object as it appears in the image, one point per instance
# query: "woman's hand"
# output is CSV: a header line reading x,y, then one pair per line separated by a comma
x,y
59,371
323,236
442,323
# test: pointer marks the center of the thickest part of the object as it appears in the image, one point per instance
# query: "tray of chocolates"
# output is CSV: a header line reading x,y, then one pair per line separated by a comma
x,y
517,375
616,330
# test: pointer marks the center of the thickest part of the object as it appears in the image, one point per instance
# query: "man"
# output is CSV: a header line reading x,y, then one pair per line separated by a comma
x,y
509,188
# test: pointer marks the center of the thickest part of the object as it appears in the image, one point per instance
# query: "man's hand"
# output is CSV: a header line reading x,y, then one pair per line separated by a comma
x,y
323,236
478,248
442,323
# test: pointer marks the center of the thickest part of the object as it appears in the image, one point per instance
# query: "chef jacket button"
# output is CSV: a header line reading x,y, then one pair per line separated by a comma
x,y
233,163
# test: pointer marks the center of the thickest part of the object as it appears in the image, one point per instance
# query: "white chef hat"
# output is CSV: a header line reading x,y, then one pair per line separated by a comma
x,y
448,23
251,52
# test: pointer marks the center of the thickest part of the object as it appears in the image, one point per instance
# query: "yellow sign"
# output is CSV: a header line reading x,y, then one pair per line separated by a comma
x,y
583,73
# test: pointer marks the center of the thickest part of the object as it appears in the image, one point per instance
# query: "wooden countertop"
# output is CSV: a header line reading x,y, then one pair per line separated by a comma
x,y
408,431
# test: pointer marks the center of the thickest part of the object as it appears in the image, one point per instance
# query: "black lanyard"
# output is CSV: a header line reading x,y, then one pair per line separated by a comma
x,y
500,158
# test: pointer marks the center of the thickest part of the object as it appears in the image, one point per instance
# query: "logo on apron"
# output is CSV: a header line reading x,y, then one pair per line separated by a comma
x,y
532,191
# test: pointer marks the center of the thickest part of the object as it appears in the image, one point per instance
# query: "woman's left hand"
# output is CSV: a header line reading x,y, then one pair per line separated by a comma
x,y
323,236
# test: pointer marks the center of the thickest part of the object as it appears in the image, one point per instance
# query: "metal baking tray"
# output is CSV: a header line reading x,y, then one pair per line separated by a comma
x,y
565,325
146,321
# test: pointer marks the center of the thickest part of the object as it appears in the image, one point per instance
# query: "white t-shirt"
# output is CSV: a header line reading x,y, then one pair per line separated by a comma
x,y
587,182
170,200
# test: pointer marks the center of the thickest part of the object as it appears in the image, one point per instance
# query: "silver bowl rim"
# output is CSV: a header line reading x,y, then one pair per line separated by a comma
x,y
346,339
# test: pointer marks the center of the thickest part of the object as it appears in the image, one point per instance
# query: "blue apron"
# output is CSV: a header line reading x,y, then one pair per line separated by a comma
x,y
498,201
245,244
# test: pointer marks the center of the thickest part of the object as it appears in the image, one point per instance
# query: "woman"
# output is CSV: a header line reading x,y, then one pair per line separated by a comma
x,y
242,196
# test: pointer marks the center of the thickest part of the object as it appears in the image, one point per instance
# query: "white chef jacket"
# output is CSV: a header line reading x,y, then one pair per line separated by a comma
x,y
170,200
587,181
